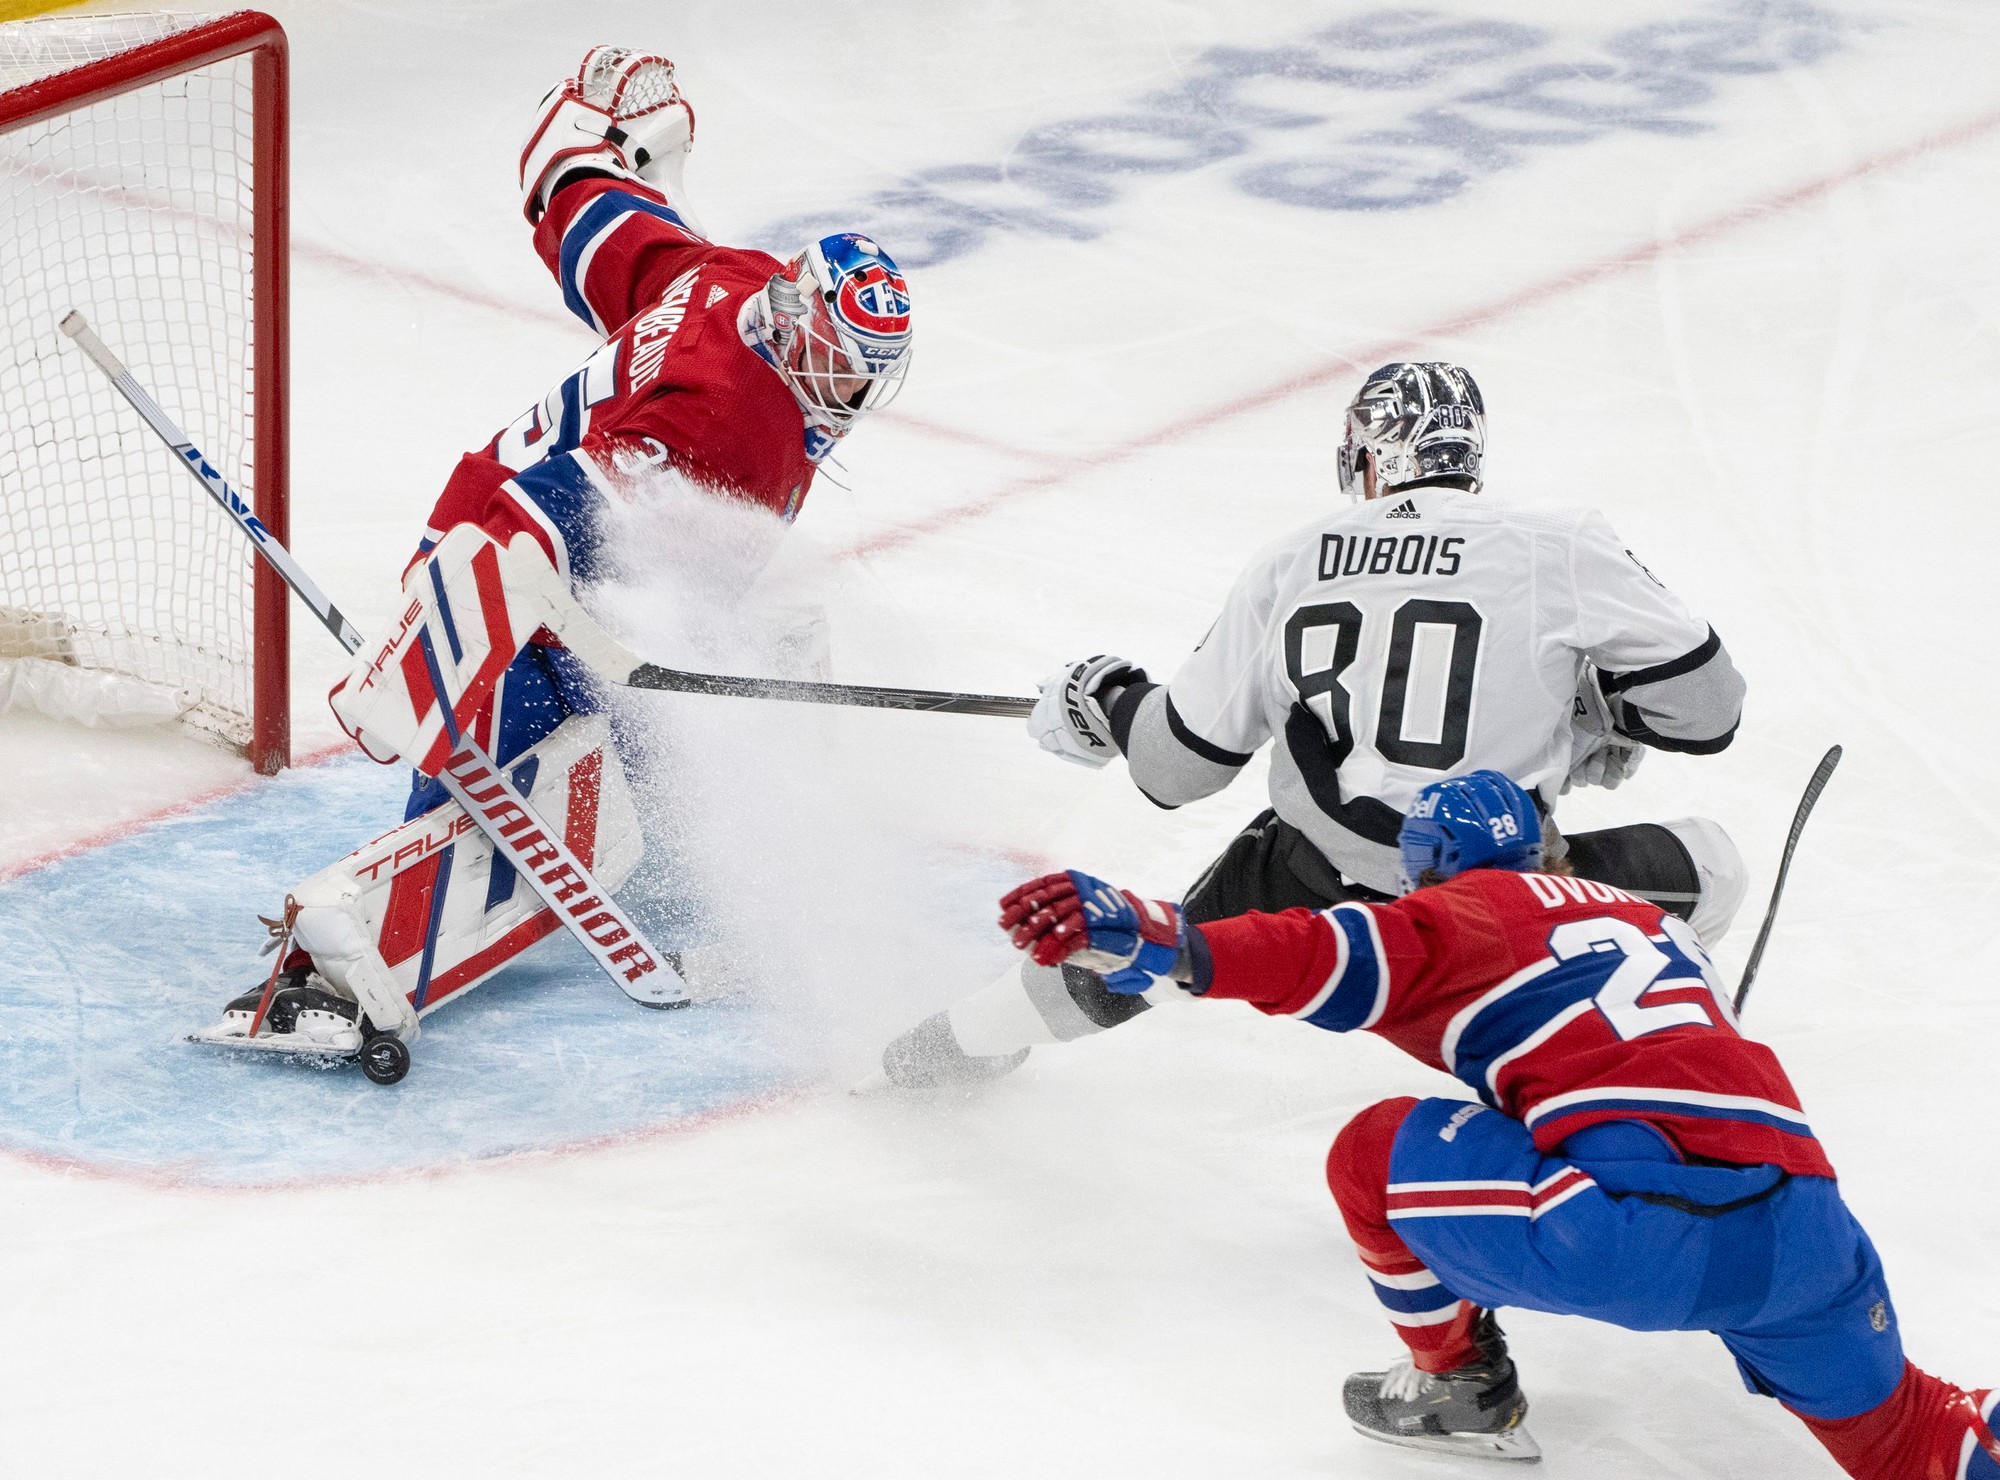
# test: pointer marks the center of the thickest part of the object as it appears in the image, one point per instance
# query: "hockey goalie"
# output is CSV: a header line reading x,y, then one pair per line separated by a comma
x,y
723,370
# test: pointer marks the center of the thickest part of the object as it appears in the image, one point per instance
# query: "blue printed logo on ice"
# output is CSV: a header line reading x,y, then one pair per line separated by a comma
x,y
1384,111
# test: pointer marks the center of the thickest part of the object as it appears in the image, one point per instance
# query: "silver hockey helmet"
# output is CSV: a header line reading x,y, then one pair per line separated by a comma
x,y
1415,421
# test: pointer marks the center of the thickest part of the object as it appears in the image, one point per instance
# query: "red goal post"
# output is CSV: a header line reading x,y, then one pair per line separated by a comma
x,y
144,175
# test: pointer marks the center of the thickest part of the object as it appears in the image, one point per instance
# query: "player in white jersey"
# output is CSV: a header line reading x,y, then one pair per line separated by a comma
x,y
1421,633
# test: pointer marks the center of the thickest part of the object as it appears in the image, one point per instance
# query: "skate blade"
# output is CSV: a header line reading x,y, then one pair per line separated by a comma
x,y
271,1043
1513,1444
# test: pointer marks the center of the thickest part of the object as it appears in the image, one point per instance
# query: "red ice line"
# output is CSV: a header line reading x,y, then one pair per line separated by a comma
x,y
1369,356
170,1180
15,868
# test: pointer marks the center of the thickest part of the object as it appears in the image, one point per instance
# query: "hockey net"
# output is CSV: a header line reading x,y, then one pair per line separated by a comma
x,y
142,180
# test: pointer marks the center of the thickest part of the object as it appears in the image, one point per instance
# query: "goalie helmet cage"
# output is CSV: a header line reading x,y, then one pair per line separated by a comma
x,y
143,180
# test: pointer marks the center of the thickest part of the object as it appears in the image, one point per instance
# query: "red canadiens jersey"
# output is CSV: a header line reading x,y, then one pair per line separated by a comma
x,y
1561,1001
676,382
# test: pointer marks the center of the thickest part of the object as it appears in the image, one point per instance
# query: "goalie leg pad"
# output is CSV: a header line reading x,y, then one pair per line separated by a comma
x,y
427,912
471,606
334,932
445,913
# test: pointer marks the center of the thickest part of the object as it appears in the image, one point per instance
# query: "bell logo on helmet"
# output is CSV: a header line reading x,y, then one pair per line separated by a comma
x,y
1481,820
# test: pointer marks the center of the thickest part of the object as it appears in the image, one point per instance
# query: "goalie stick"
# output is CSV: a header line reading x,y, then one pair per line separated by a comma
x,y
488,795
1821,774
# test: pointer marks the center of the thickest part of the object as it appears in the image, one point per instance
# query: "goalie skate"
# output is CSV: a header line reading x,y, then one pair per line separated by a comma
x,y
301,1014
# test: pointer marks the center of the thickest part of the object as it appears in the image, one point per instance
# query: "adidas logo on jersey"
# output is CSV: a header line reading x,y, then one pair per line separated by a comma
x,y
1404,510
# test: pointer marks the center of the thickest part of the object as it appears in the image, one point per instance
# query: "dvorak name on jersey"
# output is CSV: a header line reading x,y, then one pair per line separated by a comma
x,y
1590,1005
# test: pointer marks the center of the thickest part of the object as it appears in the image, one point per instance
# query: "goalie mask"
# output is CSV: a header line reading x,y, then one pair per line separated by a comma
x,y
842,315
1414,421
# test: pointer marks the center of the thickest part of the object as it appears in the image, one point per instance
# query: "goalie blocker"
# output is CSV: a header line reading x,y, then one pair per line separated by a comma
x,y
427,912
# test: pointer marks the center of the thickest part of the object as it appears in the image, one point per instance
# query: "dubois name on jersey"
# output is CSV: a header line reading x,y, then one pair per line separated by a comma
x,y
1420,635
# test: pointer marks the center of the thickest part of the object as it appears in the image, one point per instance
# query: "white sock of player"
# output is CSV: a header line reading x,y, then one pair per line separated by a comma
x,y
1001,1018
1724,879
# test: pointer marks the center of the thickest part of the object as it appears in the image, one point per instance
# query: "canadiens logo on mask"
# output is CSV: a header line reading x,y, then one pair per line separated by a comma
x,y
846,328
875,300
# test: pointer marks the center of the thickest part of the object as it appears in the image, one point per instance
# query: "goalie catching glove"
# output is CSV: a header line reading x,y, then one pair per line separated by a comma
x,y
1075,918
471,605
621,114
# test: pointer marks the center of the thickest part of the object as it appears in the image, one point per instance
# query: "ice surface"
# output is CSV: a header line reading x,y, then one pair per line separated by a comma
x,y
97,1071
1724,270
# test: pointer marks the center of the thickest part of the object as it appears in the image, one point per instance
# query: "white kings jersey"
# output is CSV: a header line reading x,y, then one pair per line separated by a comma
x,y
1423,634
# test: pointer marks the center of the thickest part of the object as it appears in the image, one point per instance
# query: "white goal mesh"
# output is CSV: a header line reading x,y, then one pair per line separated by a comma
x,y
139,210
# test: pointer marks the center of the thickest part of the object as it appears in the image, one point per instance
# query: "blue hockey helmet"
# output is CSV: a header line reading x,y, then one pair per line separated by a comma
x,y
1480,820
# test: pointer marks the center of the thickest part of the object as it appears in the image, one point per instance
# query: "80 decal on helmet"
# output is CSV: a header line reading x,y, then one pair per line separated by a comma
x,y
1414,422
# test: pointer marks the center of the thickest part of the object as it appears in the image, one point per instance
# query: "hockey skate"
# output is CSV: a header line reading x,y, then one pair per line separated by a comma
x,y
1474,1411
928,1057
300,1013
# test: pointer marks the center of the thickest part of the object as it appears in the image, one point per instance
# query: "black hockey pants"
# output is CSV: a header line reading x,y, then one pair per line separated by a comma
x,y
1272,866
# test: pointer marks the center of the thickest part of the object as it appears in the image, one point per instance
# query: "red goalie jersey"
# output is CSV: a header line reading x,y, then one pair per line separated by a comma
x,y
1561,1001
683,379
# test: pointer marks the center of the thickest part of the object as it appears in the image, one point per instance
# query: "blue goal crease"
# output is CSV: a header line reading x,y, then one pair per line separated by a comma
x,y
114,955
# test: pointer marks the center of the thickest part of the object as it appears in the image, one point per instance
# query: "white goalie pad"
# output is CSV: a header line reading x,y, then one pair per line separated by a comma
x,y
439,914
466,616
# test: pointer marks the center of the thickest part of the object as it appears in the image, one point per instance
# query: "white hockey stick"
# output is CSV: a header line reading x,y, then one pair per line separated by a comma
x,y
490,798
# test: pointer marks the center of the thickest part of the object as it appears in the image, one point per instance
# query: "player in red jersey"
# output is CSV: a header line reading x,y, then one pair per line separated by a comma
x,y
1631,1156
722,370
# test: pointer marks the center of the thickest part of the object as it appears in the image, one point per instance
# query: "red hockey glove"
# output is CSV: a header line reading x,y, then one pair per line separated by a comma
x,y
1087,922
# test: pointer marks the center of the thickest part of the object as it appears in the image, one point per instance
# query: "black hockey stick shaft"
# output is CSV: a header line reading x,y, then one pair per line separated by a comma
x,y
801,691
1821,774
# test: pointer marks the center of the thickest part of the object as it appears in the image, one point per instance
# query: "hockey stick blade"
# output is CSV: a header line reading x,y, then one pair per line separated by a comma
x,y
801,691
1820,776
541,855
